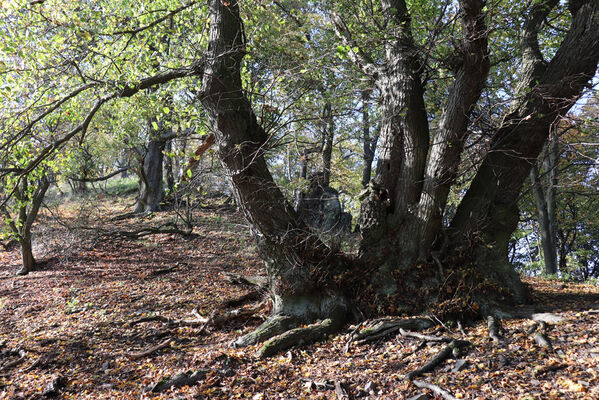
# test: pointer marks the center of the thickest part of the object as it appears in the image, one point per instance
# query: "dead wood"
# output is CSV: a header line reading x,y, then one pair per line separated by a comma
x,y
167,228
254,295
542,340
444,354
55,386
142,354
163,271
151,318
435,389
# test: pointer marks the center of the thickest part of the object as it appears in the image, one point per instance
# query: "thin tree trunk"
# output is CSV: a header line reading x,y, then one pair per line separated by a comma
x,y
368,142
168,166
327,148
26,256
547,240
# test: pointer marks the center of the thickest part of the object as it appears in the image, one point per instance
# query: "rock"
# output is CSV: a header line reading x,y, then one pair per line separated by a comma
x,y
54,387
321,209
370,387
547,317
181,379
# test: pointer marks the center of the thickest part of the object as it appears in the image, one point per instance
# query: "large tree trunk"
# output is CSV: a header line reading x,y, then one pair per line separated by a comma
x,y
293,255
401,216
488,210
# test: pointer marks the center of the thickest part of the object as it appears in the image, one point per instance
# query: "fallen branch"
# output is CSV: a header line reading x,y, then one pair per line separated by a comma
x,y
151,318
542,340
453,347
163,271
435,389
142,354
243,299
340,391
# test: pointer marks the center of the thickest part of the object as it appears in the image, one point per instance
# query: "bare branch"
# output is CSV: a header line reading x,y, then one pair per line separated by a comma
x,y
155,22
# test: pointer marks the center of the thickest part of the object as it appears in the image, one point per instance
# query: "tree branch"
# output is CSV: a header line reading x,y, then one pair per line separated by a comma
x,y
356,54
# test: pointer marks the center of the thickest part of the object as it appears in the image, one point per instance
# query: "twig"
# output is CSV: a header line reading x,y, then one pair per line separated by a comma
x,y
142,354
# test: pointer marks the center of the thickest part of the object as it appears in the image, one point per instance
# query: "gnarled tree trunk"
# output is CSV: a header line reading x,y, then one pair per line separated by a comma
x,y
402,216
293,255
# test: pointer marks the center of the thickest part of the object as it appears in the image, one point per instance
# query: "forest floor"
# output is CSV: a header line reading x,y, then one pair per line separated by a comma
x,y
72,329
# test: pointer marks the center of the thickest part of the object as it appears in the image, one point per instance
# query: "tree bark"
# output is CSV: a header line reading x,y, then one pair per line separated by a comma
x,y
151,182
546,233
26,256
368,142
292,254
489,210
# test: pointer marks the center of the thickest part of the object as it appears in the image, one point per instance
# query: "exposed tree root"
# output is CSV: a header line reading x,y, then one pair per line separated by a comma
x,y
386,326
22,356
145,353
424,338
298,337
273,326
435,389
451,349
179,380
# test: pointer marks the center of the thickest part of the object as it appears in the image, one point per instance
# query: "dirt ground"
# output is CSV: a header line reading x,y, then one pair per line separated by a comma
x,y
70,324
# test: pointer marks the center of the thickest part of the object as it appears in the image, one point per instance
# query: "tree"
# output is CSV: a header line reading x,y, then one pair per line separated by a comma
x,y
21,209
408,258
402,216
